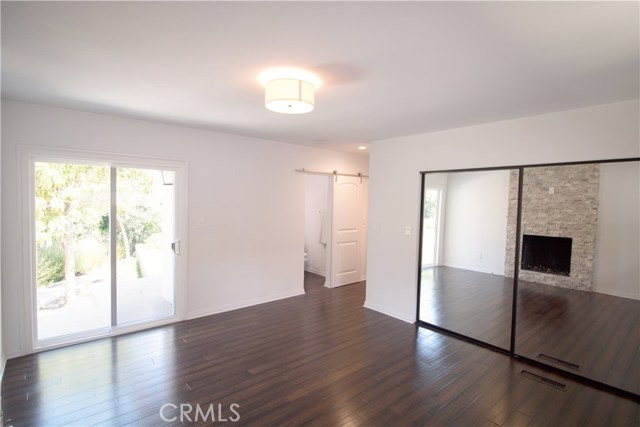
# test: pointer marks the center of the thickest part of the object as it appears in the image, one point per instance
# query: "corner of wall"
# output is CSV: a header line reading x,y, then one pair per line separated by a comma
x,y
242,304
3,363
389,312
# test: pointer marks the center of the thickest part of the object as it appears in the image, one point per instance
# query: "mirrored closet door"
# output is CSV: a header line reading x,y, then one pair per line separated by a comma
x,y
579,282
564,239
464,288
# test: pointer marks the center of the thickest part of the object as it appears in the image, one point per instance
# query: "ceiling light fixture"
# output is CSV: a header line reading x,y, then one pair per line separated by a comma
x,y
362,147
289,96
289,90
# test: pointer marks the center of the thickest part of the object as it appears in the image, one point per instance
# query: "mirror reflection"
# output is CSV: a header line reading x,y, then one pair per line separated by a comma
x,y
579,281
464,244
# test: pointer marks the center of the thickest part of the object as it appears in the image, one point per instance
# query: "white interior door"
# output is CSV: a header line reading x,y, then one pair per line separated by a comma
x,y
347,243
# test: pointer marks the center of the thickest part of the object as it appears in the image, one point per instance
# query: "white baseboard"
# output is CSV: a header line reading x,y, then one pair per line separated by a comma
x,y
389,312
242,304
3,363
328,285
616,293
482,269
12,354
314,271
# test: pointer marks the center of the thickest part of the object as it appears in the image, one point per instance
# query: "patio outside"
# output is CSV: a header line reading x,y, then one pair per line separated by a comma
x,y
73,247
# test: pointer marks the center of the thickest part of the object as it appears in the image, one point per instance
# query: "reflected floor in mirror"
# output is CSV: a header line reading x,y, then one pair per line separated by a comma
x,y
588,333
470,303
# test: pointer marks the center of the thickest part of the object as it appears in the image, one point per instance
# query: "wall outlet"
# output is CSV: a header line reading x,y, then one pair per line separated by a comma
x,y
407,230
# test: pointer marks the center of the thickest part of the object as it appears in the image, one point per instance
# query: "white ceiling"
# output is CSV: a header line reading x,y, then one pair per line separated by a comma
x,y
389,68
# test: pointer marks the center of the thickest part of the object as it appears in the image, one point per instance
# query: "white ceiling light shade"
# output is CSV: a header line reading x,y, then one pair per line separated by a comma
x,y
289,90
289,96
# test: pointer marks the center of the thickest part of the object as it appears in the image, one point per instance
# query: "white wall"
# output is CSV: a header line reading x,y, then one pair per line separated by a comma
x,y
617,262
475,229
316,203
2,353
599,132
245,189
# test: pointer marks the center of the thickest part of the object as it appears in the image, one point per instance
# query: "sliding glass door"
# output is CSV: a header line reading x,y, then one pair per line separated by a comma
x,y
72,248
104,240
145,232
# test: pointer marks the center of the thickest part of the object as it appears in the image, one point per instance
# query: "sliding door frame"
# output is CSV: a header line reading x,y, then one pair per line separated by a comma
x,y
512,350
27,156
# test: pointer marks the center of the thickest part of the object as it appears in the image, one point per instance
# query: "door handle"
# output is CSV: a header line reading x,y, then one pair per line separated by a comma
x,y
175,247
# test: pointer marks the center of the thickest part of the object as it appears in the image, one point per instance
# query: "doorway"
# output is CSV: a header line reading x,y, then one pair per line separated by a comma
x,y
317,226
335,228
104,248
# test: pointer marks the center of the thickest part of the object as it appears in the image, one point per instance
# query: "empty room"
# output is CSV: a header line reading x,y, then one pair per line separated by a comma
x,y
320,213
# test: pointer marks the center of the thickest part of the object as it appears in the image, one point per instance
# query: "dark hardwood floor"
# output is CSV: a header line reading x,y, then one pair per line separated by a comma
x,y
599,333
320,359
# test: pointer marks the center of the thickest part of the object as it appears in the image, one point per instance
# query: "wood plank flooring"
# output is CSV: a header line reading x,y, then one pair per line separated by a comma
x,y
600,333
320,359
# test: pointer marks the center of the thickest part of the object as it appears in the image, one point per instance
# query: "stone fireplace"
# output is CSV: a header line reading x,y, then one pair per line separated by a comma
x,y
560,216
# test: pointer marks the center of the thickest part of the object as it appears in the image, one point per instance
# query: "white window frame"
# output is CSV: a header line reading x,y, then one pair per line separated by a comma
x,y
27,156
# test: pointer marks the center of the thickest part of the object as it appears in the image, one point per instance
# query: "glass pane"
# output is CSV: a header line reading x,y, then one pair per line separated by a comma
x,y
145,231
465,287
579,291
72,248
430,226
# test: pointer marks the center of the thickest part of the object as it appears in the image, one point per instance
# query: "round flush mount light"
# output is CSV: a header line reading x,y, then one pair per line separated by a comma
x,y
289,96
289,90
362,147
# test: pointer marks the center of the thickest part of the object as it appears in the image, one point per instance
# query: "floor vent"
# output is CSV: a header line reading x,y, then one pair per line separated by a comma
x,y
559,362
543,380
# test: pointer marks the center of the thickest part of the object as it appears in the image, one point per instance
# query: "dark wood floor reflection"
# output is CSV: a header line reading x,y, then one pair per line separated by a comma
x,y
319,359
599,333
474,304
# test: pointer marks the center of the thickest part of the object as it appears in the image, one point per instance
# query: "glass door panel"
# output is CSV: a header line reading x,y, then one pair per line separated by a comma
x,y
72,248
431,227
145,233
103,250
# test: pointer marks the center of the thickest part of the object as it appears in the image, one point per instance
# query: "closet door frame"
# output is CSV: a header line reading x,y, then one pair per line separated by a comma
x,y
512,350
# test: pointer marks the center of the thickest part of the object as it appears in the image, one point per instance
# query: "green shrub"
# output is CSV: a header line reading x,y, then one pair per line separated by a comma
x,y
50,267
